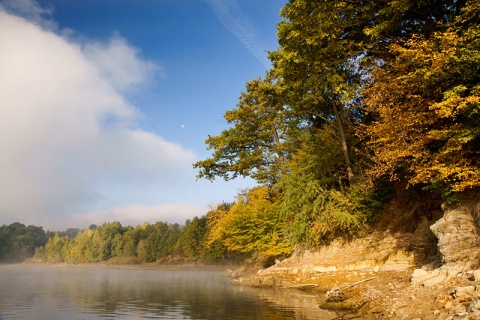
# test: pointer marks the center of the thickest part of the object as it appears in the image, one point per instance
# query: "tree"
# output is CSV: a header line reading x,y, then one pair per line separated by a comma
x,y
56,250
314,206
108,232
86,246
252,224
213,248
162,241
316,62
426,104
18,242
193,237
256,145
328,48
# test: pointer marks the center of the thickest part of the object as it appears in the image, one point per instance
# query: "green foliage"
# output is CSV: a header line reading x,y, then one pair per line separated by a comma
x,y
256,145
193,237
18,242
162,241
317,209
108,233
56,249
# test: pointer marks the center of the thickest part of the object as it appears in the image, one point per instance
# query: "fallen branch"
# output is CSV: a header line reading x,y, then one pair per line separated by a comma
x,y
304,286
357,283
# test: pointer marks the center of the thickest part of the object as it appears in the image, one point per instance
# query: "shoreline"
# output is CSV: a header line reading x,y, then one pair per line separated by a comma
x,y
386,294
142,266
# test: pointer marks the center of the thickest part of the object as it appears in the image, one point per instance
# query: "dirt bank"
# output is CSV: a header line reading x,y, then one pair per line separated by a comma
x,y
382,276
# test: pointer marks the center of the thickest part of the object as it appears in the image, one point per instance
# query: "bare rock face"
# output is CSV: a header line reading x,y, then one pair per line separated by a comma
x,y
458,242
457,232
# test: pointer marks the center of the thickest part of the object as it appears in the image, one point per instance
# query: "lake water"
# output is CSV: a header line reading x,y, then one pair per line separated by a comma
x,y
55,292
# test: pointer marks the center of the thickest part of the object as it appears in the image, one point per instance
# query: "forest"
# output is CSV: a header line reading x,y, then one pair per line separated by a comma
x,y
367,103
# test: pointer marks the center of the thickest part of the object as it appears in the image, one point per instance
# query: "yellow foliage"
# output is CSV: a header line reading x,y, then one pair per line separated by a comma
x,y
427,105
252,224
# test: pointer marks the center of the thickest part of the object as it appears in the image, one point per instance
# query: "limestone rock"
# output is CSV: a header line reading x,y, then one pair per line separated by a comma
x,y
476,274
325,269
457,232
464,291
335,295
474,306
268,282
417,273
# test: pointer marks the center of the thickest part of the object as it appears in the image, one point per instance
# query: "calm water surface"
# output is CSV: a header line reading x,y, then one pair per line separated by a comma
x,y
54,292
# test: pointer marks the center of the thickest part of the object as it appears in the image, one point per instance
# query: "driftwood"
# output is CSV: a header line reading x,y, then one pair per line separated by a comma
x,y
337,294
304,286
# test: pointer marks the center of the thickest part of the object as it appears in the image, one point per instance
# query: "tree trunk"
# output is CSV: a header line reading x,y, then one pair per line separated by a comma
x,y
343,138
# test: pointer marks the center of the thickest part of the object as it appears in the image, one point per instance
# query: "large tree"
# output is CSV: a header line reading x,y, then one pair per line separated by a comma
x,y
257,143
316,62
328,49
426,102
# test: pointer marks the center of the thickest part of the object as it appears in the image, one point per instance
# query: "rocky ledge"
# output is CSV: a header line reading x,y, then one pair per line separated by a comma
x,y
432,273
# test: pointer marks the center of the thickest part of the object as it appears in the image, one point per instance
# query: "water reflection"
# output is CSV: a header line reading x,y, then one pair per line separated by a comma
x,y
35,292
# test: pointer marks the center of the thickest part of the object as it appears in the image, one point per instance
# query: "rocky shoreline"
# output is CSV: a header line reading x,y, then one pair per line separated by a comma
x,y
432,273
388,295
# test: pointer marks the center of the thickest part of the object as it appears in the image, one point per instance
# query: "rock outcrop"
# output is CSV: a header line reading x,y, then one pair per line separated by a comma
x,y
457,232
458,242
432,273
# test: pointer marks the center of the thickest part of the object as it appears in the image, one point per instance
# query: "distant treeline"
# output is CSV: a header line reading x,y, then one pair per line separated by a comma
x,y
18,242
228,232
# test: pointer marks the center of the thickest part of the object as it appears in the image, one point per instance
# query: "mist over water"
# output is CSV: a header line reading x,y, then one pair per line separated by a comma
x,y
54,292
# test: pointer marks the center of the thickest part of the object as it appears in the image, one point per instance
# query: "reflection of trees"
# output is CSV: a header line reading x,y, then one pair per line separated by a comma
x,y
303,304
122,293
196,295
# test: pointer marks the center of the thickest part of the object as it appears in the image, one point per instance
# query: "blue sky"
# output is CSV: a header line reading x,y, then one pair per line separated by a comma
x,y
105,104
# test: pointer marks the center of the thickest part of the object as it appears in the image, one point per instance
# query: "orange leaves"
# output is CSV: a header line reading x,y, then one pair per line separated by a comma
x,y
426,104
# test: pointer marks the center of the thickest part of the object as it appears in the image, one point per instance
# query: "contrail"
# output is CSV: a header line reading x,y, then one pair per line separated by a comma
x,y
230,15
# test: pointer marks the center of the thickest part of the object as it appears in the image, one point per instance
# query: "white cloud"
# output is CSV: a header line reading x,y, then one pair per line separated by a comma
x,y
68,132
232,18
109,56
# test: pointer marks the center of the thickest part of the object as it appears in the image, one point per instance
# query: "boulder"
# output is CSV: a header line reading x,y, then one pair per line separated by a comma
x,y
457,231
